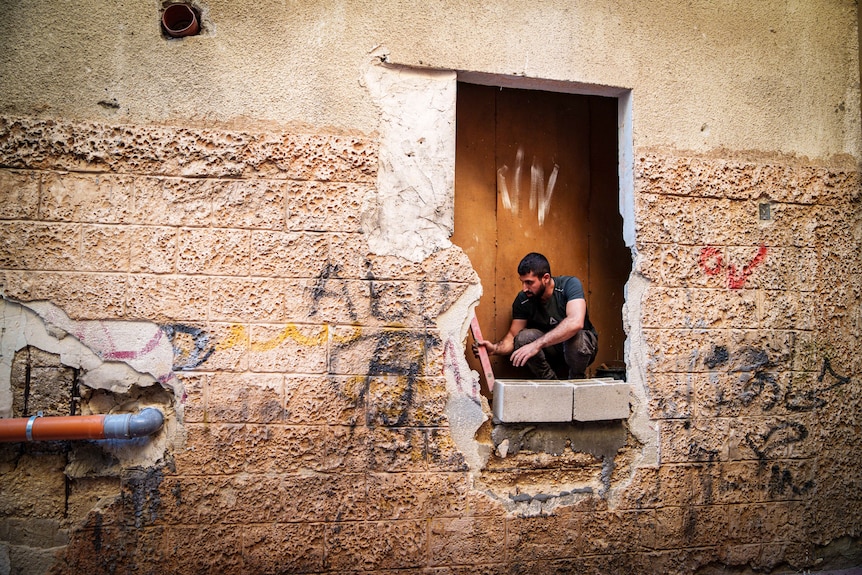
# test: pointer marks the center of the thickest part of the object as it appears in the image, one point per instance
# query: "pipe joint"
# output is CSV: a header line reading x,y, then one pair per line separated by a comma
x,y
29,428
128,425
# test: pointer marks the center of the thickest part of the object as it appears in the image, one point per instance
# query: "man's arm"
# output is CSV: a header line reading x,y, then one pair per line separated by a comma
x,y
576,313
507,344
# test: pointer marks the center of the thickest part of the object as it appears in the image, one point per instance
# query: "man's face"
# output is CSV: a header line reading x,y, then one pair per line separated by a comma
x,y
534,286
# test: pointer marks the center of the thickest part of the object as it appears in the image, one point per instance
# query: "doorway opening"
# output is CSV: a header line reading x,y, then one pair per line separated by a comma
x,y
538,170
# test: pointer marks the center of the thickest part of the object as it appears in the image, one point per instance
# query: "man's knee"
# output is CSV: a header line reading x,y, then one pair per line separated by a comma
x,y
526,336
580,352
586,343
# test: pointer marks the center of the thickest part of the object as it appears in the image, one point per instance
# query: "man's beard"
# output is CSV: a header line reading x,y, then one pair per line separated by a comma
x,y
538,295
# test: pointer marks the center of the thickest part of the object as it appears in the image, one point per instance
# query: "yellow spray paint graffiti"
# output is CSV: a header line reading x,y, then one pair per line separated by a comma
x,y
238,335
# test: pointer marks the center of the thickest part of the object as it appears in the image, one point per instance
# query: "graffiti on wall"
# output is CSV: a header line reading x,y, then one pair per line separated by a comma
x,y
540,192
466,385
191,345
398,354
759,383
810,399
321,290
238,335
752,366
144,346
394,353
756,383
712,263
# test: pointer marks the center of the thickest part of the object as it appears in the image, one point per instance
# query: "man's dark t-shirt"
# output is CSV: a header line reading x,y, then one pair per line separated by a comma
x,y
546,317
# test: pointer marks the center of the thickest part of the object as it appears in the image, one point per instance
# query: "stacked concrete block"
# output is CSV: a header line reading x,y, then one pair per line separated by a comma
x,y
532,400
600,399
553,401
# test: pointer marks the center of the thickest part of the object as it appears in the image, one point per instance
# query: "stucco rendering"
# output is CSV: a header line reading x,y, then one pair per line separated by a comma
x,y
260,230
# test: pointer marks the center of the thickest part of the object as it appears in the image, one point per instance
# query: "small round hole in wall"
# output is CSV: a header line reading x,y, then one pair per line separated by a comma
x,y
180,20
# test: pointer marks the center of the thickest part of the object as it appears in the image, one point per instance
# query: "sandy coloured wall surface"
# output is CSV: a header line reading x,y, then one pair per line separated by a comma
x,y
771,76
259,246
322,405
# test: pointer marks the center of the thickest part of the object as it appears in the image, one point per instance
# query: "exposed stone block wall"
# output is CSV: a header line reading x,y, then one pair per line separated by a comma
x,y
751,363
313,387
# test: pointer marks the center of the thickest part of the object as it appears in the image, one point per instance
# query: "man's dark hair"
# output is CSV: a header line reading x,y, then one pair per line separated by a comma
x,y
534,263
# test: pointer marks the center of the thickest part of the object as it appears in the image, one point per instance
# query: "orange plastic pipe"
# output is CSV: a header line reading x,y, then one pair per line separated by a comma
x,y
52,428
118,426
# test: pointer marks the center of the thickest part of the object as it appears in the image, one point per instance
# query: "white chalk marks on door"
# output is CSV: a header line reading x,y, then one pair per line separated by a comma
x,y
540,192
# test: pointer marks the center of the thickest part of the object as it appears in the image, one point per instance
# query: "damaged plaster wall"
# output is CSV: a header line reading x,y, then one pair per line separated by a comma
x,y
111,356
214,184
412,215
414,210
52,365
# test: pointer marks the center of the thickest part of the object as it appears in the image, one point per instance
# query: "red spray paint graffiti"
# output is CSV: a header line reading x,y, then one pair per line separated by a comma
x,y
711,262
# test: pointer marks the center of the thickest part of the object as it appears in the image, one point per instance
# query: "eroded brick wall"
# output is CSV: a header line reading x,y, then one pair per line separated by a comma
x,y
313,380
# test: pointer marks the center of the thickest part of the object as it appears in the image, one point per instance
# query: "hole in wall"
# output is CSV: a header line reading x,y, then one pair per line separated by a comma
x,y
180,20
465,407
539,170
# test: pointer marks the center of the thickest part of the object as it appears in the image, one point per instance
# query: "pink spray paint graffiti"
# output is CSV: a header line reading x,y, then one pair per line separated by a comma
x,y
450,362
712,263
141,345
112,353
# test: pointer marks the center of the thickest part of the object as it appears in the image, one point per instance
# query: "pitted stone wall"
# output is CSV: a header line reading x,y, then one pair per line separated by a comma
x,y
314,386
750,358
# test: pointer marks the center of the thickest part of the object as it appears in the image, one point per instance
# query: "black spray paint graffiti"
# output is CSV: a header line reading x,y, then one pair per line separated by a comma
x,y
762,384
389,301
812,398
771,444
321,291
781,480
396,295
778,437
191,345
398,362
397,353
751,364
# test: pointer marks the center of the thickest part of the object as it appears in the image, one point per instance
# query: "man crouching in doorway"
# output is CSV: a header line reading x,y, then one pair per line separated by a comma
x,y
551,331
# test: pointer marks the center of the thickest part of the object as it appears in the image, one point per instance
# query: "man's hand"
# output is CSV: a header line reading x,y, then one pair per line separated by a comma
x,y
490,347
521,355
503,347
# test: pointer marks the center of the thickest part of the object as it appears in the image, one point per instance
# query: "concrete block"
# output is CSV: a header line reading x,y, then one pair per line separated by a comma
x,y
600,399
543,401
517,401
19,200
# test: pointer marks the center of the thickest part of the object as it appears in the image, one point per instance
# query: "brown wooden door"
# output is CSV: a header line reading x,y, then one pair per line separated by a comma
x,y
524,182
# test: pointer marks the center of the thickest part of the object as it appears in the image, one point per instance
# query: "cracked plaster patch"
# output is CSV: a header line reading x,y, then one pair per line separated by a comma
x,y
412,215
466,408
